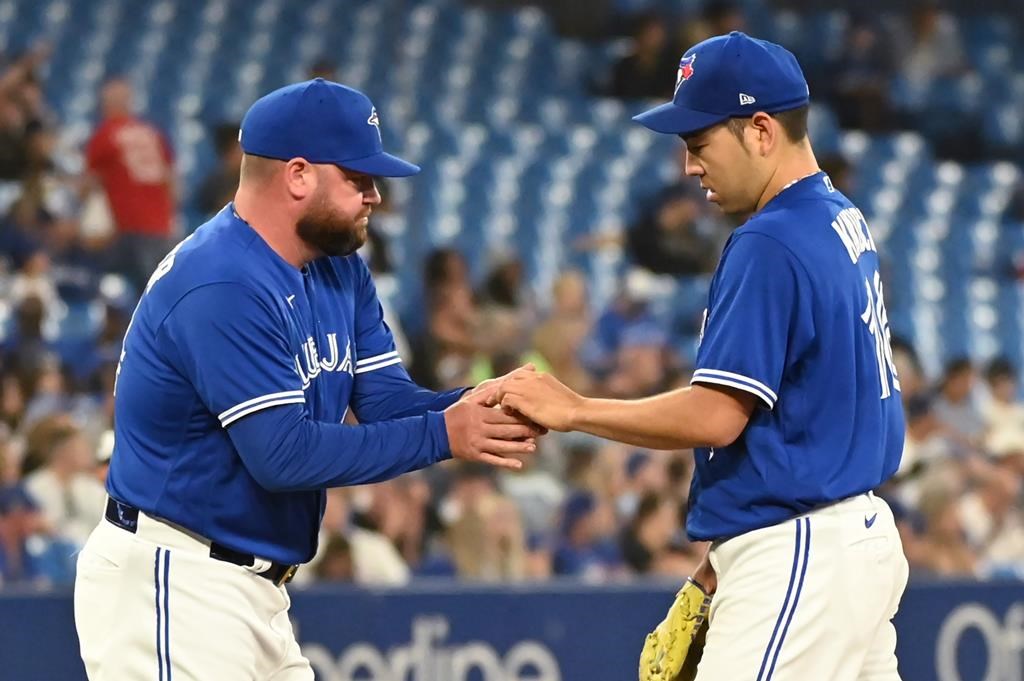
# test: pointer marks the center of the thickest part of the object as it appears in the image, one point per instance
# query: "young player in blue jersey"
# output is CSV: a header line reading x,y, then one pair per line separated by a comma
x,y
794,408
253,339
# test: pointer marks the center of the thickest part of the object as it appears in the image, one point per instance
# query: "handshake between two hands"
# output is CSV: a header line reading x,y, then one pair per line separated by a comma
x,y
498,422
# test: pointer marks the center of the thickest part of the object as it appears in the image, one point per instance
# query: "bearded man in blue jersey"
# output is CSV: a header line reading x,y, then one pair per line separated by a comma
x,y
253,340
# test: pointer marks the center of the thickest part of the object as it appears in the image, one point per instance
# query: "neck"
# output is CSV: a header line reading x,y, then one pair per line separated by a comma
x,y
797,163
275,225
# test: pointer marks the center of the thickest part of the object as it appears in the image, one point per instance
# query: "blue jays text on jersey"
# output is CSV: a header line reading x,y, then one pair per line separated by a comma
x,y
796,317
236,373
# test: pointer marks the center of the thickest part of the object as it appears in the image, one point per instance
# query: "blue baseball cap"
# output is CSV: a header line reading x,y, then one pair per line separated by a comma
x,y
729,76
322,122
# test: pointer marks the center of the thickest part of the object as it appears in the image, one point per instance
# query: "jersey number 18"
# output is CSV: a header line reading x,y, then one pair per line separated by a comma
x,y
877,321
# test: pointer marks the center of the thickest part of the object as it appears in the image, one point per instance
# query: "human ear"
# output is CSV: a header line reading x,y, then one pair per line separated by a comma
x,y
301,177
764,130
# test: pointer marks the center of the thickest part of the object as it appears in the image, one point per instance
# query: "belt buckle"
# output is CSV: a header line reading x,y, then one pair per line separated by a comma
x,y
286,576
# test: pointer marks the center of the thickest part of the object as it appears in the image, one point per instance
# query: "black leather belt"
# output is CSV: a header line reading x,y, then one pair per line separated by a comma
x,y
127,518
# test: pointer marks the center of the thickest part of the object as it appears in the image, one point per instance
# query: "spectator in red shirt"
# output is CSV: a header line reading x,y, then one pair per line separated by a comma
x,y
133,162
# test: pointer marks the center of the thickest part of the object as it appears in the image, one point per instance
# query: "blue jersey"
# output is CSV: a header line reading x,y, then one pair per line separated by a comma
x,y
796,318
236,373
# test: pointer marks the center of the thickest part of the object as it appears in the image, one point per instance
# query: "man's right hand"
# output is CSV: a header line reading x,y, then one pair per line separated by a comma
x,y
477,432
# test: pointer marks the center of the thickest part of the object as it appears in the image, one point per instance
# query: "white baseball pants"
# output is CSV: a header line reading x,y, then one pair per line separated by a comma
x,y
810,599
153,606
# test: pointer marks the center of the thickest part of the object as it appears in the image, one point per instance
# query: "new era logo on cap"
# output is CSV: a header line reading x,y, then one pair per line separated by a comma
x,y
746,99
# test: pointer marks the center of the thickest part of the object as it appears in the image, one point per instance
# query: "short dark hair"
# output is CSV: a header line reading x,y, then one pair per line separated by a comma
x,y
918,406
649,504
1000,367
225,137
793,121
323,68
716,9
437,265
957,366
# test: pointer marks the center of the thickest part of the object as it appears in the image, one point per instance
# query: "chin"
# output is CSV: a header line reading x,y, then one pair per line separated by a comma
x,y
731,213
734,210
720,206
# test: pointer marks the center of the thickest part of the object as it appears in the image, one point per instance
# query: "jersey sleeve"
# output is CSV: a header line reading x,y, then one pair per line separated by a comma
x,y
758,315
382,388
231,346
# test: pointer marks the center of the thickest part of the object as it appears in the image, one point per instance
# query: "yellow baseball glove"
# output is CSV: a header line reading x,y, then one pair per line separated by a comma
x,y
672,650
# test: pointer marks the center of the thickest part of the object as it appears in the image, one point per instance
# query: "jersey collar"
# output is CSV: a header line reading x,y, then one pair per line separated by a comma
x,y
793,187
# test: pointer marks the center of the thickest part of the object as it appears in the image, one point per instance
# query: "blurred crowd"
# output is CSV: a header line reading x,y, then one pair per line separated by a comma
x,y
83,237
887,71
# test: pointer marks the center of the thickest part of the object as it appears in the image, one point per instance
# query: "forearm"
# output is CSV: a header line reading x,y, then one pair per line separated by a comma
x,y
390,394
285,451
418,401
679,419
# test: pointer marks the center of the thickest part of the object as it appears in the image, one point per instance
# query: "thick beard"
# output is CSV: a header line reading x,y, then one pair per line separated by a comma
x,y
329,232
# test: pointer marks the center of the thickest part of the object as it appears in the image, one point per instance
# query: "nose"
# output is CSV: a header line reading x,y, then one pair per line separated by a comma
x,y
371,195
691,167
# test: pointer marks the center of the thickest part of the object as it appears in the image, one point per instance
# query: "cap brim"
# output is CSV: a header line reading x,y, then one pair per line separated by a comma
x,y
382,165
676,120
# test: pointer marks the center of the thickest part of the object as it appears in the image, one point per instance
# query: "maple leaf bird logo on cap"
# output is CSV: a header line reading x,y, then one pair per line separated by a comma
x,y
374,120
685,69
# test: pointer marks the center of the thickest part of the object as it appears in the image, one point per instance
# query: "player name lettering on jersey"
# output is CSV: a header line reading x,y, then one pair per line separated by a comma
x,y
852,228
311,364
